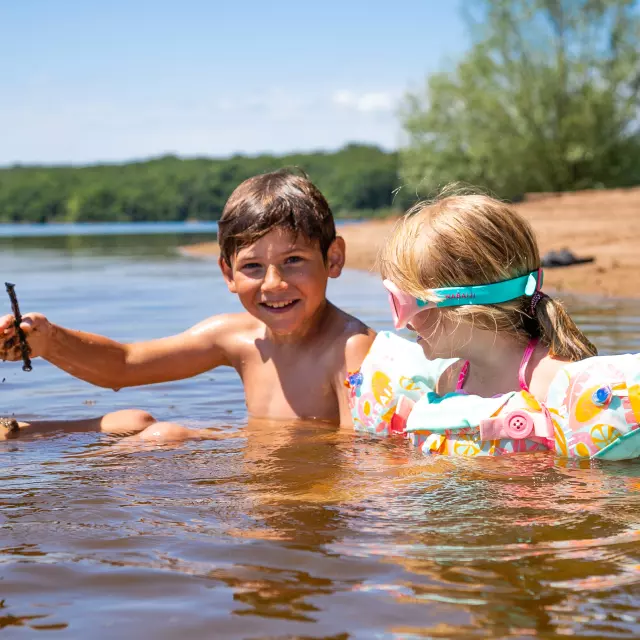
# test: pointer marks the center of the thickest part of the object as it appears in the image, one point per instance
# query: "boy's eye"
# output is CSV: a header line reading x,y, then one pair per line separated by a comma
x,y
293,260
251,265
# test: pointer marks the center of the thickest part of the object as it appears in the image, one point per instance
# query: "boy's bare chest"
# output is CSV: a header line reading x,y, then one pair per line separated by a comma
x,y
298,384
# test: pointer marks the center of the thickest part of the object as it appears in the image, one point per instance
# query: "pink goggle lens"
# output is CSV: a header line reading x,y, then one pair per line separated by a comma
x,y
404,307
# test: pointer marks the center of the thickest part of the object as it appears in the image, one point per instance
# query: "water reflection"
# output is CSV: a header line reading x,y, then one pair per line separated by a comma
x,y
613,325
288,526
287,530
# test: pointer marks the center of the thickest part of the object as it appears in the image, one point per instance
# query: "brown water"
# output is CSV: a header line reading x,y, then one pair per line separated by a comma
x,y
286,531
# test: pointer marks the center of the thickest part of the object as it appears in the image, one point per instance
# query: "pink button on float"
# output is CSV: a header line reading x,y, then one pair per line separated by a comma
x,y
518,425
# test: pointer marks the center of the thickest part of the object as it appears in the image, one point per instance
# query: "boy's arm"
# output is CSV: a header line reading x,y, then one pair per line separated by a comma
x,y
356,349
107,363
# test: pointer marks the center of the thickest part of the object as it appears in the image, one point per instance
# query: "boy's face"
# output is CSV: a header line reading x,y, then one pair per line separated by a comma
x,y
282,279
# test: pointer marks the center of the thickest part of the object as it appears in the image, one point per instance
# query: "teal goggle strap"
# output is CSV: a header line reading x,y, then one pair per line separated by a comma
x,y
488,293
404,306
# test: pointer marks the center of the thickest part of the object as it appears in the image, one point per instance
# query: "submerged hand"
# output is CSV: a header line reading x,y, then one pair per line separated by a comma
x,y
36,330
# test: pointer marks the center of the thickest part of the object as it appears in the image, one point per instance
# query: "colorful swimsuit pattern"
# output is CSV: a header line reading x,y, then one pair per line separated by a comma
x,y
592,408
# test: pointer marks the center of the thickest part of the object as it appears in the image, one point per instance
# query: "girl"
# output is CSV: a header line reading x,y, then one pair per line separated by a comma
x,y
464,274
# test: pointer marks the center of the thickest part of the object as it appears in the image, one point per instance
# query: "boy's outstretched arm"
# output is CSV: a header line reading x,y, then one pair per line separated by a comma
x,y
107,363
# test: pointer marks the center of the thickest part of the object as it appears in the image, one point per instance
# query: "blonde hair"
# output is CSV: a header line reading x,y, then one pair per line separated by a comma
x,y
460,240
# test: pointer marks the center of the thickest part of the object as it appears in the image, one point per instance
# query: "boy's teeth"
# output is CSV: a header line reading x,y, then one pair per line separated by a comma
x,y
278,305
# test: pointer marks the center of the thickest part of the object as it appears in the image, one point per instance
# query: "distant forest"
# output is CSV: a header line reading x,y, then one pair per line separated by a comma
x,y
358,181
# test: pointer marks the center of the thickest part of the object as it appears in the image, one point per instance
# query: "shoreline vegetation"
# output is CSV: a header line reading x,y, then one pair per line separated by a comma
x,y
358,180
601,223
360,183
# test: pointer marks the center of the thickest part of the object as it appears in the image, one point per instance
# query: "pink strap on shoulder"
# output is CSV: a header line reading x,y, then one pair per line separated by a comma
x,y
528,352
462,376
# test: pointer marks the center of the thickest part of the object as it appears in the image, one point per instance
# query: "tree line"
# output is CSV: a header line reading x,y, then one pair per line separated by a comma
x,y
358,180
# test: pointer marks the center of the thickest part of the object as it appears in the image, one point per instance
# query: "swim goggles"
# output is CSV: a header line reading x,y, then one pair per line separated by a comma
x,y
405,307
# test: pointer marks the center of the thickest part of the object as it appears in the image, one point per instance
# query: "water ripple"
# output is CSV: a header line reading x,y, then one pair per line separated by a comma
x,y
289,530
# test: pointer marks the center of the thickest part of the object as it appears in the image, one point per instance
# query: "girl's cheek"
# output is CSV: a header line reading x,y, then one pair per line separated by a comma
x,y
421,326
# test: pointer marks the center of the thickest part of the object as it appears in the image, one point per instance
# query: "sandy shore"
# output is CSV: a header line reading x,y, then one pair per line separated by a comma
x,y
603,224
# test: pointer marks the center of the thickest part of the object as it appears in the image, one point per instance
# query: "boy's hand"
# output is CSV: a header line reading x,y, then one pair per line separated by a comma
x,y
36,329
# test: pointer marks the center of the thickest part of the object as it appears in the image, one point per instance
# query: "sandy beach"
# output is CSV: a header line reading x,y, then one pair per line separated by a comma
x,y
602,224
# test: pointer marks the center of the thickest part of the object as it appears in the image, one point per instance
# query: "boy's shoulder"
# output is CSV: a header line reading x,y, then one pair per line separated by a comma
x,y
227,327
234,334
352,338
344,322
344,339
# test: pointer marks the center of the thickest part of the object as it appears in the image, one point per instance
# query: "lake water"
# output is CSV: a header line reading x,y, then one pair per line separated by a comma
x,y
299,531
106,229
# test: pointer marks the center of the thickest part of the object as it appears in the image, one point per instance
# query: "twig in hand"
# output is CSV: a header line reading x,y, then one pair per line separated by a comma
x,y
15,307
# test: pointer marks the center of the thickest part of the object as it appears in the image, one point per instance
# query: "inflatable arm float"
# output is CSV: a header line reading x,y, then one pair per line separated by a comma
x,y
592,408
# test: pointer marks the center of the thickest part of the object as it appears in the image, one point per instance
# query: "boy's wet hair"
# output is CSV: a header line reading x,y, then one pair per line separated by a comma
x,y
281,199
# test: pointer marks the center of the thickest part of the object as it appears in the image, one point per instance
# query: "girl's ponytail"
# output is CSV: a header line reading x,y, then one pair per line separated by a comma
x,y
560,332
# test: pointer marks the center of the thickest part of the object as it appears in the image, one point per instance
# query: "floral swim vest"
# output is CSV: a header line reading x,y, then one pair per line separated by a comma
x,y
592,408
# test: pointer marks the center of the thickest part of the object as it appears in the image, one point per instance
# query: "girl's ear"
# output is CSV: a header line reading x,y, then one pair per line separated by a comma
x,y
336,256
227,274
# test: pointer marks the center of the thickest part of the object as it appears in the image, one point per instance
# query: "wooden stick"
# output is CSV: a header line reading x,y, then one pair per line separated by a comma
x,y
24,347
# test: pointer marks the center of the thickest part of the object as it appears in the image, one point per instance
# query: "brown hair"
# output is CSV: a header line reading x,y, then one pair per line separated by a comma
x,y
460,240
280,199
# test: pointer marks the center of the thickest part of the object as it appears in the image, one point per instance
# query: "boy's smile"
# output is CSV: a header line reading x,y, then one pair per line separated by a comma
x,y
281,279
279,307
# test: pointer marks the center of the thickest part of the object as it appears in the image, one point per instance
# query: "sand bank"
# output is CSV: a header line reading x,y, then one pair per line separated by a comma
x,y
603,224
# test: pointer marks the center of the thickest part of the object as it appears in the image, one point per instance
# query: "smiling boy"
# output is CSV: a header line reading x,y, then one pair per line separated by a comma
x,y
292,347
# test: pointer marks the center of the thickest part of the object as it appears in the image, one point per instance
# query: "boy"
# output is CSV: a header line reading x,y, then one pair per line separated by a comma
x,y
292,347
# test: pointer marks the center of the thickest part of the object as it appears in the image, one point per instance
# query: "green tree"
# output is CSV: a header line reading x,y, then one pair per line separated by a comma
x,y
547,99
358,178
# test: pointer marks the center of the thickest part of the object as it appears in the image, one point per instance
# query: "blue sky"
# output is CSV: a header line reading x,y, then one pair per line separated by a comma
x,y
84,81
